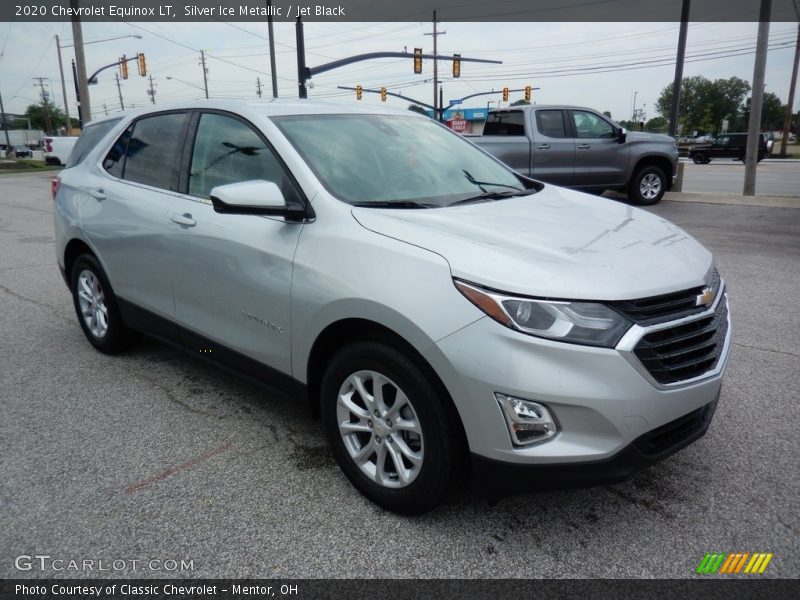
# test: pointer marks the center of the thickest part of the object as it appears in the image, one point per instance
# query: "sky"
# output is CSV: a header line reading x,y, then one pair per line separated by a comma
x,y
600,65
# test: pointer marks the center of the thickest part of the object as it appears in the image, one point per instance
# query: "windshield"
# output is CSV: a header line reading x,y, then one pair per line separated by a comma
x,y
378,160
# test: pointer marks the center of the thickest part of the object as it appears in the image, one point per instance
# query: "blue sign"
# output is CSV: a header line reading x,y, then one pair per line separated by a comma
x,y
454,102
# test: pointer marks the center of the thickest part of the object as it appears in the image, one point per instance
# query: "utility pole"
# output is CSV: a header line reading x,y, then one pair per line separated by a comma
x,y
105,108
85,106
63,86
302,71
45,102
787,122
119,90
258,86
272,69
676,84
152,91
205,71
5,123
435,35
756,100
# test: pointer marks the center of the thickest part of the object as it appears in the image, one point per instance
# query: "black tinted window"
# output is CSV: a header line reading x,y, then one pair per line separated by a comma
x,y
551,123
510,122
90,136
115,159
154,150
227,150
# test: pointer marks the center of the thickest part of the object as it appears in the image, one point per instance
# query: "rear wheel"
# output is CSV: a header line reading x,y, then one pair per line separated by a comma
x,y
699,159
395,437
648,185
96,307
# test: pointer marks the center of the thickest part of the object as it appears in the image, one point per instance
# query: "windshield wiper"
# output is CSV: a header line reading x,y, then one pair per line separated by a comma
x,y
492,196
391,204
480,184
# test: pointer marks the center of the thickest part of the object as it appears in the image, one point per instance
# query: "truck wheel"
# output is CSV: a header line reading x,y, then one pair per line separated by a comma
x,y
647,186
96,307
394,436
699,159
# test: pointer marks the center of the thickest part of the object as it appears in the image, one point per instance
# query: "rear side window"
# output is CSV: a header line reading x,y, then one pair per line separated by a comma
x,y
510,123
90,136
149,151
551,123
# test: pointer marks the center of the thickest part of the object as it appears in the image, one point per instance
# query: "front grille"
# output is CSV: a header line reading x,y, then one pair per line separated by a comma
x,y
685,351
667,307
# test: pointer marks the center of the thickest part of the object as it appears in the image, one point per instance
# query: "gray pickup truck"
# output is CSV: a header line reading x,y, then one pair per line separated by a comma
x,y
580,148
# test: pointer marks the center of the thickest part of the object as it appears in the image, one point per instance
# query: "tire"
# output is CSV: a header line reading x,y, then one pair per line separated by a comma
x,y
429,445
647,185
96,307
699,159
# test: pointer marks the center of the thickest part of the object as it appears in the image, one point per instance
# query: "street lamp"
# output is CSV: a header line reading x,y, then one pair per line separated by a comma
x,y
61,67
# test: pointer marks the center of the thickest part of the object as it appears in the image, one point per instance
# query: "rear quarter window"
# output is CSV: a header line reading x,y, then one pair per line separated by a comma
x,y
90,137
508,123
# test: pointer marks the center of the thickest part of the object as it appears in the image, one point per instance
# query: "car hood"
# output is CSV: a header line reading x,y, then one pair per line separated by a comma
x,y
557,243
640,136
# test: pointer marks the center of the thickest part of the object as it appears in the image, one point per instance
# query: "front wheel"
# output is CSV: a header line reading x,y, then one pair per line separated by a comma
x,y
395,437
699,159
648,185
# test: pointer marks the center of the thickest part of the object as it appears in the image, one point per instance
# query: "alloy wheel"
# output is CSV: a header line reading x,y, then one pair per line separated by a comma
x,y
92,301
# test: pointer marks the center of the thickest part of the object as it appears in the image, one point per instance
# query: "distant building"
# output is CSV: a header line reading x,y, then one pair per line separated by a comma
x,y
475,118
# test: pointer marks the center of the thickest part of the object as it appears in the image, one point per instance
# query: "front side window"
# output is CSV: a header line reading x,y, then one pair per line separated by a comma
x,y
379,159
589,125
227,150
723,140
149,151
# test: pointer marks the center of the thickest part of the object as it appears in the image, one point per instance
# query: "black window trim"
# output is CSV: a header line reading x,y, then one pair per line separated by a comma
x,y
186,161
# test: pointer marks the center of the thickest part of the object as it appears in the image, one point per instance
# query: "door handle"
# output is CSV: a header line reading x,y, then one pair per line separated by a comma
x,y
185,219
98,194
583,146
543,147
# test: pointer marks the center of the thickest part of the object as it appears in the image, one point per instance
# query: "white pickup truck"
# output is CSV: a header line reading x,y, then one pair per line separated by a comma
x,y
57,149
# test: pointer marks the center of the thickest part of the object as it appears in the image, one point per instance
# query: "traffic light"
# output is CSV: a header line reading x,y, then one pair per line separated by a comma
x,y
456,65
359,91
142,65
505,94
417,61
123,67
383,94
528,93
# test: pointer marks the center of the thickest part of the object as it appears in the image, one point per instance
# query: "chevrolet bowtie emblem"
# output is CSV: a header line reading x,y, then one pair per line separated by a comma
x,y
706,298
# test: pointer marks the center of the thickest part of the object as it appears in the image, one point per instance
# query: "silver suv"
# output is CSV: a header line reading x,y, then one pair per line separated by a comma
x,y
449,319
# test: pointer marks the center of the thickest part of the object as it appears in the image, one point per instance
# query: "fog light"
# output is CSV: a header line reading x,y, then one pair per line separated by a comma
x,y
528,422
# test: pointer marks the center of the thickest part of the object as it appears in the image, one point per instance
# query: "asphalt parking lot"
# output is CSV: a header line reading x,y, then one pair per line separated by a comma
x,y
775,177
154,455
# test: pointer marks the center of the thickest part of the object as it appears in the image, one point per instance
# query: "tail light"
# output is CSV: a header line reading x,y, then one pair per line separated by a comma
x,y
54,185
48,145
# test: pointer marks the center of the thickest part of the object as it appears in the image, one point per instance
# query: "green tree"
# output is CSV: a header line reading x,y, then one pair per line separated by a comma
x,y
657,124
773,112
705,104
417,108
520,102
45,116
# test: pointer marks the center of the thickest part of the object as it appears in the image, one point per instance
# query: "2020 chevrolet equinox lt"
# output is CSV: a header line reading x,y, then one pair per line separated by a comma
x,y
449,318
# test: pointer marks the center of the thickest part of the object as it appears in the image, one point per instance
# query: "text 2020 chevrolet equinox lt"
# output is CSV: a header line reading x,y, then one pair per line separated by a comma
x,y
448,317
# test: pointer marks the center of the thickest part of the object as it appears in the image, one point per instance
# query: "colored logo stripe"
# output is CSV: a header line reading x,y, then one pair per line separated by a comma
x,y
734,563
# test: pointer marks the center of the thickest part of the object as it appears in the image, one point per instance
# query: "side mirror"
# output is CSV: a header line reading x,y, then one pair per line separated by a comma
x,y
257,197
622,135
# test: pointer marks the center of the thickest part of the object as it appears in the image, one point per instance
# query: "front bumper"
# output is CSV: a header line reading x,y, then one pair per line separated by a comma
x,y
603,400
493,479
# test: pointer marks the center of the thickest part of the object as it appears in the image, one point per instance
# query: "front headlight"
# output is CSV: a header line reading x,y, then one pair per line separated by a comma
x,y
588,323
